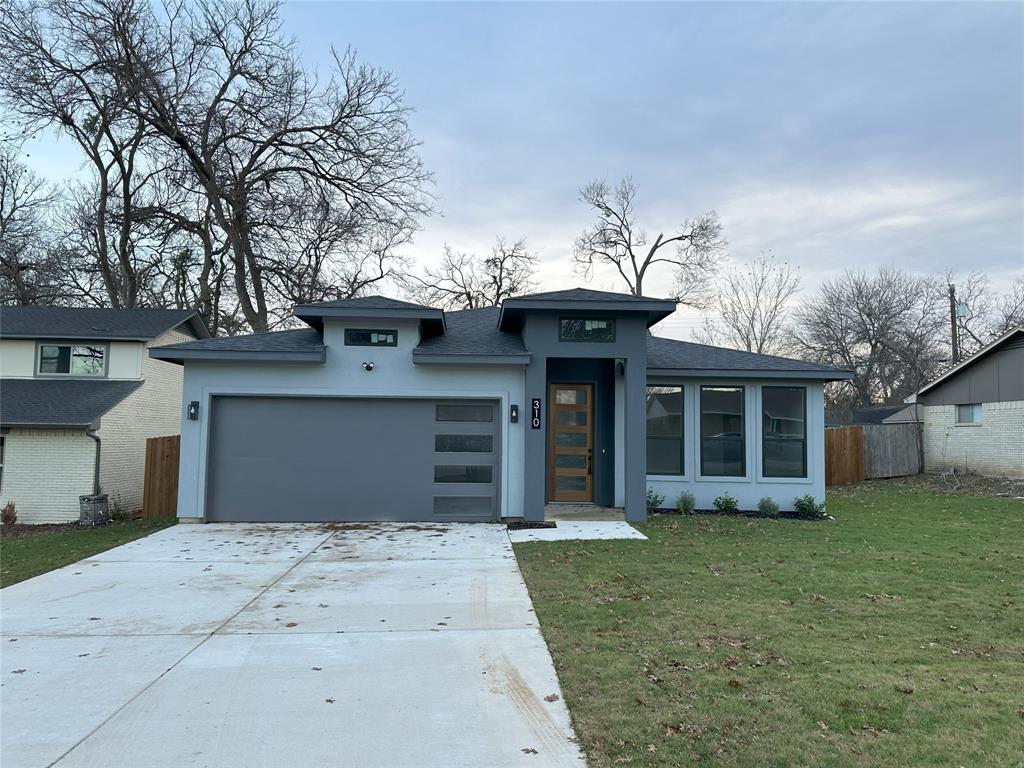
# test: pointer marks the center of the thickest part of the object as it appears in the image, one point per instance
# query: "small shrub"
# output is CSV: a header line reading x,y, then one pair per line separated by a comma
x,y
654,501
8,516
808,506
686,503
768,506
726,504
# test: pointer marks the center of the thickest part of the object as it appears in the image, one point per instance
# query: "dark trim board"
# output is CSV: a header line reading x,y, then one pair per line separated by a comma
x,y
347,459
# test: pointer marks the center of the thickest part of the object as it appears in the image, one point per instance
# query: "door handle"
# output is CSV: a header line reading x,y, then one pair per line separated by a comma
x,y
590,461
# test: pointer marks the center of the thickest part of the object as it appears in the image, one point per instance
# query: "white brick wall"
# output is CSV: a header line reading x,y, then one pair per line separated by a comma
x,y
994,447
153,410
45,471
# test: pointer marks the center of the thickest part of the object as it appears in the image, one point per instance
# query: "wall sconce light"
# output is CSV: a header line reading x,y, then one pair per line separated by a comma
x,y
620,367
193,410
513,414
368,367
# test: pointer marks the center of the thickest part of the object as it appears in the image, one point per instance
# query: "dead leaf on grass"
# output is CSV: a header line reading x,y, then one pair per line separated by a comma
x,y
734,683
904,689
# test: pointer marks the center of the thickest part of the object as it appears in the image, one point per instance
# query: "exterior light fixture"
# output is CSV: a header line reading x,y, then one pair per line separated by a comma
x,y
193,410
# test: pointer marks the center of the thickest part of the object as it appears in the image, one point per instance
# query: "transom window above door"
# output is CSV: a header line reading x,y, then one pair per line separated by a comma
x,y
368,337
72,359
586,329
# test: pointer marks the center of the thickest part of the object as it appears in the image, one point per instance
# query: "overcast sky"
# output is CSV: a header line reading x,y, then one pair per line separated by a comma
x,y
836,135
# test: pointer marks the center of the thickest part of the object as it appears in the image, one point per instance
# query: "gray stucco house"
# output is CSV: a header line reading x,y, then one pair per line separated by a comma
x,y
385,410
974,412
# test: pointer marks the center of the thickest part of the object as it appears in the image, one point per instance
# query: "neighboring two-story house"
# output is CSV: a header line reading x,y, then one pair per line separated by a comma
x,y
78,398
384,410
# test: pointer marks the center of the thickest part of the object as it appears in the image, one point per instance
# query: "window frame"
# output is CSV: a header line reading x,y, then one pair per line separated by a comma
x,y
682,473
806,436
976,410
104,345
569,318
698,430
350,343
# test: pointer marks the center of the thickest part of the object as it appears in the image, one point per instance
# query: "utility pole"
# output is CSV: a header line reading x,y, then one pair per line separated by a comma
x,y
954,336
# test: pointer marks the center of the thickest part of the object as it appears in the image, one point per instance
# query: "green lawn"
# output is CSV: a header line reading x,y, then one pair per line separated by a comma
x,y
28,555
891,637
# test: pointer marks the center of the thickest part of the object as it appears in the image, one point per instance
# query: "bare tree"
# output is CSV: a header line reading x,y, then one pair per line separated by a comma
x,y
277,175
692,251
752,303
1009,311
887,327
468,281
28,271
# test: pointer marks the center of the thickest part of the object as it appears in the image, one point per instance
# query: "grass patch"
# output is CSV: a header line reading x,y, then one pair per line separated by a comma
x,y
894,636
31,553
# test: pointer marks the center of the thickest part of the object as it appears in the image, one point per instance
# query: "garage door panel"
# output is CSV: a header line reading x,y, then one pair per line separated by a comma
x,y
325,459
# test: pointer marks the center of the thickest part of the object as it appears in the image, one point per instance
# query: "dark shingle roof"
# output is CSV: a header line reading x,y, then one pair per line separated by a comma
x,y
59,402
300,344
94,323
583,294
672,354
367,302
473,332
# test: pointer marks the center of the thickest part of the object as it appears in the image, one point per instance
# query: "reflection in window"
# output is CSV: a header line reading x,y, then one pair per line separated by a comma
x,y
73,359
784,431
665,431
722,451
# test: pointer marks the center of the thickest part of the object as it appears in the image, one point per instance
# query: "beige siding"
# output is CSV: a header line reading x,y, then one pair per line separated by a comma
x,y
45,471
994,447
17,358
153,410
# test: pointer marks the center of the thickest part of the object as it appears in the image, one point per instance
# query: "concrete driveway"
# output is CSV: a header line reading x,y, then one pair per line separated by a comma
x,y
283,645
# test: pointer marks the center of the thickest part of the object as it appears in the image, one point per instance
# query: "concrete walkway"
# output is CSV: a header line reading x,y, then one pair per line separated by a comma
x,y
283,645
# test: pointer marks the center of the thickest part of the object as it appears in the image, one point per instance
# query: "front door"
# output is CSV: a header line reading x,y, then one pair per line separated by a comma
x,y
571,443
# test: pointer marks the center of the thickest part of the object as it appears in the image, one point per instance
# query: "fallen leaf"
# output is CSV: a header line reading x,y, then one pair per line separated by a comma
x,y
529,751
734,683
551,697
329,701
292,624
17,671
317,669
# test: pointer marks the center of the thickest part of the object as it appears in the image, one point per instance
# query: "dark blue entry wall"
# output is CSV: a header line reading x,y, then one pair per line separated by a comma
x,y
601,374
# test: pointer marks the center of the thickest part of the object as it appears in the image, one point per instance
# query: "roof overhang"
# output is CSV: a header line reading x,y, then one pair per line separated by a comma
x,y
457,359
513,310
431,320
749,373
302,357
193,321
981,353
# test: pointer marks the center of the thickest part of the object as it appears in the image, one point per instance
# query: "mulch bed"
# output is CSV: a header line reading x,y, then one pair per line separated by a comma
x,y
21,530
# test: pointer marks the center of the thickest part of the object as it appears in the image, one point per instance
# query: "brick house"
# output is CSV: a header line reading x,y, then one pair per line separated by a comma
x,y
78,398
974,413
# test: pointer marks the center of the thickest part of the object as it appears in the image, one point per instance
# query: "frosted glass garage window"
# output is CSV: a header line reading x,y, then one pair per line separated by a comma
x,y
722,433
784,431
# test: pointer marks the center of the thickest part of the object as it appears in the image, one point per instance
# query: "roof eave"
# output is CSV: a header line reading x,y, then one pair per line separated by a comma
x,y
179,356
431,319
751,373
656,309
984,351
470,359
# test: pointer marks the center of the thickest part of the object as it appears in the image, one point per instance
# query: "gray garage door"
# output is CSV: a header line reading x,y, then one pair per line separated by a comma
x,y
289,459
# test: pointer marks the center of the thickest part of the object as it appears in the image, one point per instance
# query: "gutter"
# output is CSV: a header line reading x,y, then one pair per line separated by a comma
x,y
96,465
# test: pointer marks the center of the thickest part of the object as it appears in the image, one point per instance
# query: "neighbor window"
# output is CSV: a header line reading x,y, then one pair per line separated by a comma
x,y
722,444
364,337
784,431
72,359
969,413
586,329
665,431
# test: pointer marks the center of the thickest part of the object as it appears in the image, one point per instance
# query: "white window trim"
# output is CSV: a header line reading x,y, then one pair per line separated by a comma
x,y
40,343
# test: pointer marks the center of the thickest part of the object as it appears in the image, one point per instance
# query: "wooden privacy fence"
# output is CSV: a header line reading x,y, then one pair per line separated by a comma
x,y
160,491
844,455
853,454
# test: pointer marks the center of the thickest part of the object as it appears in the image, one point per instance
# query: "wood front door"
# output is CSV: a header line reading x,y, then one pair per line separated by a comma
x,y
571,442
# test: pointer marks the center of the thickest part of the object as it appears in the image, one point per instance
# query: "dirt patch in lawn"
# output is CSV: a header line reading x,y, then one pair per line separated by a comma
x,y
21,530
949,483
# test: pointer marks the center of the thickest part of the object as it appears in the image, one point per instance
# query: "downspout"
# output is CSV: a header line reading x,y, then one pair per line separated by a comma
x,y
96,465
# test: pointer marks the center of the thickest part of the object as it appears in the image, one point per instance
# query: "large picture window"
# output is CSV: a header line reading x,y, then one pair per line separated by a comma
x,y
665,452
72,359
722,443
784,431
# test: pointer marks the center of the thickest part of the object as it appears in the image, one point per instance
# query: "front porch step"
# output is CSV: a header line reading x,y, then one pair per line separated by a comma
x,y
582,512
